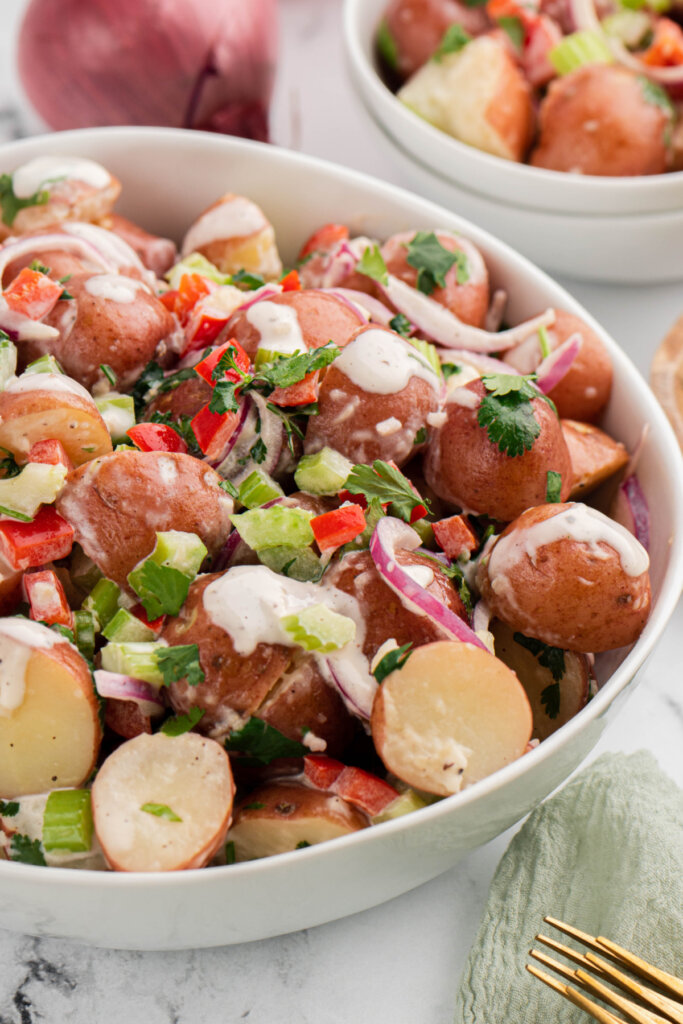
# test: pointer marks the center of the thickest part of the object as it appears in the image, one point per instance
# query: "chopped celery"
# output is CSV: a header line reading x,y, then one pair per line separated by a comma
x,y
322,473
126,627
428,352
67,821
46,364
425,531
658,6
271,527
8,361
403,804
578,49
102,602
259,488
195,263
163,579
38,484
632,27
138,660
179,550
126,448
319,629
118,413
84,632
265,356
296,563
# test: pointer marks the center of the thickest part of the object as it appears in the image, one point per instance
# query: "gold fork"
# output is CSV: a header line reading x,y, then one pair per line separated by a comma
x,y
658,1002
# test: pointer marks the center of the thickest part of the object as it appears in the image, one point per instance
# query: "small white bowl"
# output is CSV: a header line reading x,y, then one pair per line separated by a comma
x,y
168,178
608,229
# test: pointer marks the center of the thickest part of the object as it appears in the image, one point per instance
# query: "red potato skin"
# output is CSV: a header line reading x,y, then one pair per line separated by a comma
x,y
94,330
35,411
596,120
116,505
567,596
466,469
418,26
287,801
468,301
384,614
61,264
158,254
322,318
125,718
187,399
595,456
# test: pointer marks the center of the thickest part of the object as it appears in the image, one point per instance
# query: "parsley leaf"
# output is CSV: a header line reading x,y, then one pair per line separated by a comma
x,y
148,381
386,45
550,699
180,724
39,267
433,261
302,844
454,39
258,451
549,657
250,281
388,484
182,426
263,743
224,398
12,204
26,851
8,465
180,662
161,588
507,413
450,369
420,437
9,809
401,324
391,661
514,29
372,264
292,369
553,487
161,811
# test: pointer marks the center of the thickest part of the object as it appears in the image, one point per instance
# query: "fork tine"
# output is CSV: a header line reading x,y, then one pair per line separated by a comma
x,y
570,954
637,1013
648,995
599,1013
548,961
642,967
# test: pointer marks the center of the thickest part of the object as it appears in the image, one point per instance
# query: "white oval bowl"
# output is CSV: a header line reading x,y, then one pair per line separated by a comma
x,y
533,188
169,177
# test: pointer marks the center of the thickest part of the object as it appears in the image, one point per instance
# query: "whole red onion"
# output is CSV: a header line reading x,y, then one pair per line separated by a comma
x,y
205,64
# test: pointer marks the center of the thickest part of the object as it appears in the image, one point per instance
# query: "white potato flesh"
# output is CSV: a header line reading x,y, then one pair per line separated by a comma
x,y
190,775
35,416
51,739
563,698
452,715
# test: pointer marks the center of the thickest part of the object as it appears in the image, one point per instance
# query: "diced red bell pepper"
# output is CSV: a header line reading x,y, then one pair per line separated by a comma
x,y
321,770
46,538
139,612
356,499
541,36
666,49
303,392
455,536
364,790
52,452
156,437
169,299
291,282
418,512
206,366
33,294
527,12
191,289
45,594
213,430
203,327
341,525
324,238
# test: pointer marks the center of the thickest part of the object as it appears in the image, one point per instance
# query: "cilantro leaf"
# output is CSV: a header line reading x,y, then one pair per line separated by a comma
x,y
224,398
553,487
12,204
499,384
263,743
433,261
507,413
147,382
514,29
388,484
391,661
454,39
302,844
39,267
161,811
450,369
401,324
8,465
26,851
180,662
161,588
549,657
550,698
9,809
372,264
258,451
292,428
250,281
180,724
292,369
420,437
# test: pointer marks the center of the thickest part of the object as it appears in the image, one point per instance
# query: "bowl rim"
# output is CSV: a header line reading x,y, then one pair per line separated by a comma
x,y
523,174
671,584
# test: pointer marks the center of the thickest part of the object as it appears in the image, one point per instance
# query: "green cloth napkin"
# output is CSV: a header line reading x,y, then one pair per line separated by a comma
x,y
604,854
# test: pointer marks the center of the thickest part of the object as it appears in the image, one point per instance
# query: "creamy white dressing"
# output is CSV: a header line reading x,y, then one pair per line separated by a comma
x,y
464,397
116,420
382,363
114,287
437,419
278,326
167,469
232,217
421,574
18,638
580,523
45,171
389,426
48,382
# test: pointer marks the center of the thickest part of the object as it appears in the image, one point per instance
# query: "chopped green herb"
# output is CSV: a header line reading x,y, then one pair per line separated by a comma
x,y
224,398
13,514
292,369
421,436
161,811
255,806
12,204
507,414
401,324
65,296
655,94
450,369
161,588
230,855
108,373
258,451
454,39
250,281
229,488
553,487
392,661
386,45
25,850
180,662
292,428
549,657
64,631
431,260
389,485
182,427
148,381
180,724
302,844
39,267
372,264
9,809
263,742
550,699
514,29
455,573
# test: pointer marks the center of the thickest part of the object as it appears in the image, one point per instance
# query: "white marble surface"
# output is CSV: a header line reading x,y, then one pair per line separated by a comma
x,y
398,963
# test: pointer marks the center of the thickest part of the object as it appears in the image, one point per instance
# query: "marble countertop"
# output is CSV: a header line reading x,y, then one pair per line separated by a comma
x,y
399,962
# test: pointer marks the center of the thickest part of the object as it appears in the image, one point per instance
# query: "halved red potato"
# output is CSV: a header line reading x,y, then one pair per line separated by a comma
x,y
60,263
234,234
187,399
374,400
569,576
464,467
186,784
284,816
111,319
384,614
553,701
158,254
452,715
39,406
584,390
50,729
117,503
293,321
416,28
595,456
466,292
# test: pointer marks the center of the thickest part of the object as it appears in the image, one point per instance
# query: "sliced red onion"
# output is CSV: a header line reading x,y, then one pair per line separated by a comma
x,y
485,364
637,451
49,242
245,409
438,556
496,309
558,363
630,508
251,298
233,552
367,304
444,327
391,535
111,246
118,687
21,328
343,295
236,463
356,689
481,617
340,263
